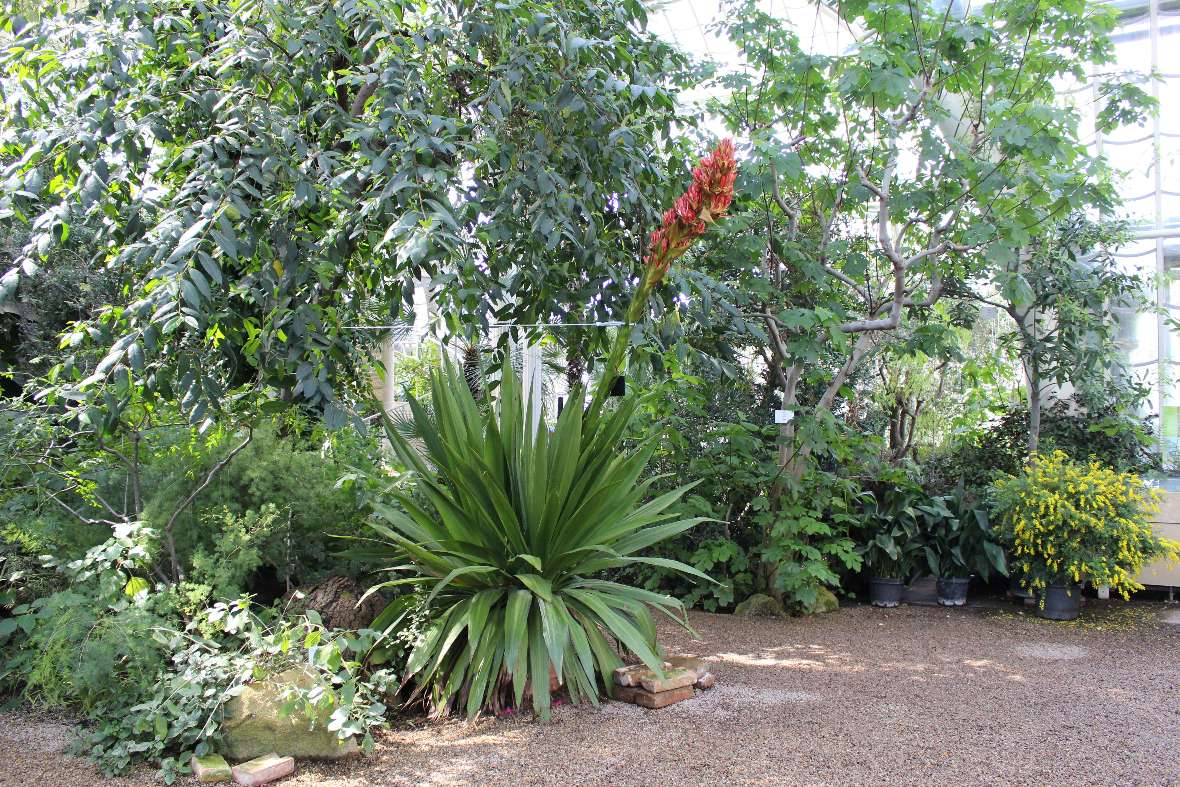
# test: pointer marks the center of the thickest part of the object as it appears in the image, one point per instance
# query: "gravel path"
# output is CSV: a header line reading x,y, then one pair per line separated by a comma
x,y
912,695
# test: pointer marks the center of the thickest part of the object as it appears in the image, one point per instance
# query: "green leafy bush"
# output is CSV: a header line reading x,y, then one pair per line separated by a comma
x,y
290,469
225,648
957,538
772,534
152,686
1107,433
519,524
891,537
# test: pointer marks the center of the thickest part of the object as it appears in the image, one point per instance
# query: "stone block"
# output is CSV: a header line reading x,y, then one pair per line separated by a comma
x,y
261,770
211,768
706,681
255,725
673,679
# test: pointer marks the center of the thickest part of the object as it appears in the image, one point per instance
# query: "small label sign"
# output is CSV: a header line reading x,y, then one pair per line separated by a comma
x,y
783,416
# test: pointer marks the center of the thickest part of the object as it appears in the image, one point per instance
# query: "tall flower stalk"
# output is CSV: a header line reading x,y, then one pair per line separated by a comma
x,y
706,201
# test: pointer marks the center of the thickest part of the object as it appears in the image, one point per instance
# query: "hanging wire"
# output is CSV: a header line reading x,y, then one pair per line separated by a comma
x,y
608,324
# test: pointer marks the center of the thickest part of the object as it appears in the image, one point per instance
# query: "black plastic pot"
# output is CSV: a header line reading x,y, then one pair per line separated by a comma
x,y
952,591
1061,602
885,592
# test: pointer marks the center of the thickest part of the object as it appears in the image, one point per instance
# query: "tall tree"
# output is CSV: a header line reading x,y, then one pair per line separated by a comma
x,y
1066,294
928,153
265,176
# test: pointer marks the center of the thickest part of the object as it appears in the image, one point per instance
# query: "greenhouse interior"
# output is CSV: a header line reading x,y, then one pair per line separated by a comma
x,y
589,392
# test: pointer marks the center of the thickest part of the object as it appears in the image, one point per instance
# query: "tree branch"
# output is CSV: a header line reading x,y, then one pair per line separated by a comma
x,y
177,574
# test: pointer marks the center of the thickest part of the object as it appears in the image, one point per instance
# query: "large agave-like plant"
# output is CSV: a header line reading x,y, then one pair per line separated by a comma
x,y
508,536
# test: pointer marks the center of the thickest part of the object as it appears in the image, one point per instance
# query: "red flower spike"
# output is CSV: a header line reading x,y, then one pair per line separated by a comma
x,y
705,201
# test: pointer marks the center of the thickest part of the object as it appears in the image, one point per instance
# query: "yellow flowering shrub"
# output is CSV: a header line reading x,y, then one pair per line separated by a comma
x,y
1065,522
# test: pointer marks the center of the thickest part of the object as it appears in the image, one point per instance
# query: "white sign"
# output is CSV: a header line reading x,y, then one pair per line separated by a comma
x,y
783,416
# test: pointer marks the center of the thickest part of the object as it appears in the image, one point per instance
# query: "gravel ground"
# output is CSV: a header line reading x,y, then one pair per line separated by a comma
x,y
912,695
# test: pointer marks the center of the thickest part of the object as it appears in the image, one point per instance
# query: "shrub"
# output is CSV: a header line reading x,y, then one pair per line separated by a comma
x,y
772,534
289,468
1066,522
113,650
957,538
891,536
1105,433
226,647
518,524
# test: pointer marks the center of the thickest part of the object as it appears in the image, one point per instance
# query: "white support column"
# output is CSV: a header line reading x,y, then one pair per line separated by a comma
x,y
389,389
531,383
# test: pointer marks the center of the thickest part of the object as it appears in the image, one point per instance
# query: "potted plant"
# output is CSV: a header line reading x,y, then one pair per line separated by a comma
x,y
958,543
1065,522
891,542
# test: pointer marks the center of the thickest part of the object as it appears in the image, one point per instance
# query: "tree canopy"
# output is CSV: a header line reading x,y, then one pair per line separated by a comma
x,y
263,177
927,154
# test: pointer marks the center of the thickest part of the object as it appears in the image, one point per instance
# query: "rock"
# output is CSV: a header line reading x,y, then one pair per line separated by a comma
x,y
706,681
646,699
760,604
211,768
825,601
254,726
263,769
335,600
673,679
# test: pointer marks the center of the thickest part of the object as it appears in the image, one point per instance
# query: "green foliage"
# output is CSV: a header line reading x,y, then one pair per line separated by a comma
x,y
235,551
774,534
226,647
89,646
891,545
1109,433
810,531
112,649
412,373
1066,296
309,163
957,539
281,500
519,523
66,490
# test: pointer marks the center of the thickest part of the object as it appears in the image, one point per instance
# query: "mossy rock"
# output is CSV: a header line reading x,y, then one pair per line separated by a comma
x,y
825,601
254,724
760,605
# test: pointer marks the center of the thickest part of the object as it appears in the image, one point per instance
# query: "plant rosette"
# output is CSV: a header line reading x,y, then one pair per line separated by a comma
x,y
1066,522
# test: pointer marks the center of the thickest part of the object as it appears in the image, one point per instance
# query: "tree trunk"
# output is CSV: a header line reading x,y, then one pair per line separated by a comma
x,y
1034,406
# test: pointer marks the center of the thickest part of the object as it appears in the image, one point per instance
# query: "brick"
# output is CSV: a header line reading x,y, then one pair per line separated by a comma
x,y
689,663
706,681
673,679
646,699
211,768
263,769
633,674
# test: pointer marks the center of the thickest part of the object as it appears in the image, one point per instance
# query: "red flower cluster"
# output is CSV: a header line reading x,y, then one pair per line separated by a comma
x,y
705,201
